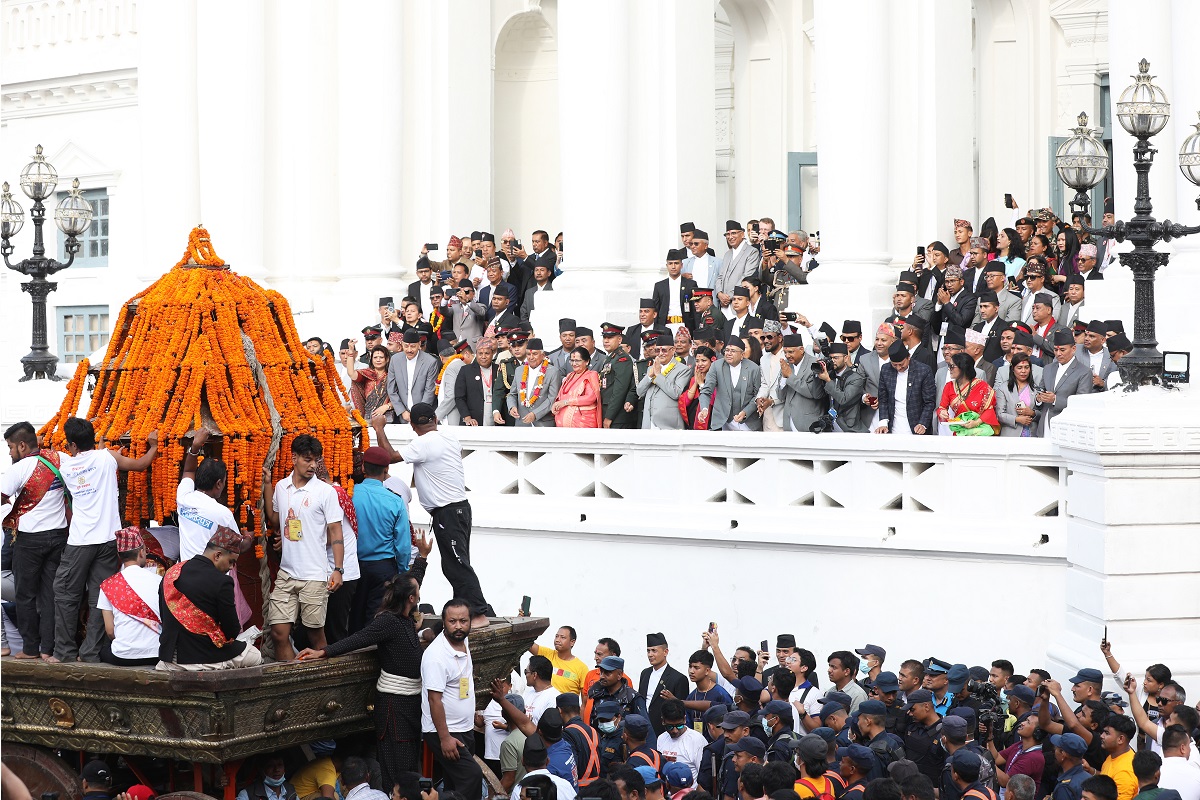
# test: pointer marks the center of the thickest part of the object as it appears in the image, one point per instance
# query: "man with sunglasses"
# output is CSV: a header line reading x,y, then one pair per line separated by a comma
x,y
1036,270
852,337
680,742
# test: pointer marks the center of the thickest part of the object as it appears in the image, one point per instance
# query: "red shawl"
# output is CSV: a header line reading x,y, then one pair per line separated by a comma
x,y
124,599
40,481
191,617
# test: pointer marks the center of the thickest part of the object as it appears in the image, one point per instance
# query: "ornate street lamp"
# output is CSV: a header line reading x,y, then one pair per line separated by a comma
x,y
1143,111
1189,159
1082,162
72,217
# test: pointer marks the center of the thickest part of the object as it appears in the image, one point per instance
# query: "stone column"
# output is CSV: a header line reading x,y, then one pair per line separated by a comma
x,y
232,136
1132,515
169,129
852,152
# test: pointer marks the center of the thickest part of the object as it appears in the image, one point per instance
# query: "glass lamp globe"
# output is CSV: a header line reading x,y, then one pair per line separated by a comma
x,y
1081,161
1189,156
38,179
12,216
73,214
1143,109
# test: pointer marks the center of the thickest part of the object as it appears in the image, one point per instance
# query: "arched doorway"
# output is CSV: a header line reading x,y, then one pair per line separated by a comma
x,y
525,153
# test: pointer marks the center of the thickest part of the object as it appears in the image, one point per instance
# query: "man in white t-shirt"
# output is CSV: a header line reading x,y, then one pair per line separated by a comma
x,y
448,700
540,693
306,513
198,499
34,486
436,459
129,602
679,742
90,476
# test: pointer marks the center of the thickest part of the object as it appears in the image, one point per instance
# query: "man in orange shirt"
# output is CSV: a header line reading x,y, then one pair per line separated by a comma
x,y
604,648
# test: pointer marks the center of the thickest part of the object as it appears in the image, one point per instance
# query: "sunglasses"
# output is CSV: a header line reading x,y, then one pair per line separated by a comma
x,y
851,337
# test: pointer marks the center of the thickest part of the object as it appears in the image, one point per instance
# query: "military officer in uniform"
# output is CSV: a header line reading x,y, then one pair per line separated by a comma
x,y
704,313
616,379
505,373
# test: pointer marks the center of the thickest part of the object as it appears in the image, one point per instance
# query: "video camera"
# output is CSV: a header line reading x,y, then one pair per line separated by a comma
x,y
991,715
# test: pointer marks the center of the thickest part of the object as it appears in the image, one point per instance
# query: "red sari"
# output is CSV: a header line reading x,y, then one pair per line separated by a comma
x,y
979,398
581,393
689,407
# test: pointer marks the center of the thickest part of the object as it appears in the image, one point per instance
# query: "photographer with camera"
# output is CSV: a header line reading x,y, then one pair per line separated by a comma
x,y
1022,757
845,384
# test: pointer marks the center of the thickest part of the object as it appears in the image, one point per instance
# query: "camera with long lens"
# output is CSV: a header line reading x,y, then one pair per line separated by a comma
x,y
991,716
823,363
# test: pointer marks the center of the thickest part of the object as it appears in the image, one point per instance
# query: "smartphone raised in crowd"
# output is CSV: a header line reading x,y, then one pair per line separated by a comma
x,y
431,246
525,605
763,645
1008,201
479,253
712,627
920,249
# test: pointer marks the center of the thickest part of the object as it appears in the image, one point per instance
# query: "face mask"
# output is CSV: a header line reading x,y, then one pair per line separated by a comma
x,y
865,668
766,726
608,727
274,783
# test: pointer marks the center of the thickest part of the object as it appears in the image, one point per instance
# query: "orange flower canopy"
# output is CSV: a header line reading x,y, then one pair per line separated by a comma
x,y
206,346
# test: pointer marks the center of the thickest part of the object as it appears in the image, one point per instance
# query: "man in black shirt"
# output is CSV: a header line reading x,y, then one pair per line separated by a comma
x,y
922,738
886,689
855,764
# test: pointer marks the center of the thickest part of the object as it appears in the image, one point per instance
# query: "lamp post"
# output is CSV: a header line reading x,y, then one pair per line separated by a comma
x,y
72,217
1143,112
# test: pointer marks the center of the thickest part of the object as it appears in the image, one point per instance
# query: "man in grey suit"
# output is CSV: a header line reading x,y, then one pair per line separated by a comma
x,y
1095,356
1044,327
542,274
740,261
1007,301
846,388
535,414
1062,379
730,393
803,392
470,316
412,375
1068,312
700,266
660,387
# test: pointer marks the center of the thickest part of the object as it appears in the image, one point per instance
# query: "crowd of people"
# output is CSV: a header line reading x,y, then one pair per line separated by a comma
x,y
988,336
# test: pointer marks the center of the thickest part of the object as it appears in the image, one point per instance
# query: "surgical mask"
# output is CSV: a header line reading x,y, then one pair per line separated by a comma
x,y
766,726
608,727
274,783
864,668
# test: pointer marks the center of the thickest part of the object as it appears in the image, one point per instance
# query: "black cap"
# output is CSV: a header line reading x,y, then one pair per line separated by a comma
x,y
465,284
1114,325
412,336
851,326
1062,338
1109,206
535,344
704,334
383,301
897,352
582,331
793,340
955,335
1097,326
422,414
828,330
699,234
837,347
475,236
995,265
345,345
534,750
989,297
905,286
1045,298
611,329
646,302
484,236
1119,343
741,291
734,341
656,640
687,227
733,225
566,324
550,725
753,323
372,329
1075,280
677,254
785,640
916,321
97,773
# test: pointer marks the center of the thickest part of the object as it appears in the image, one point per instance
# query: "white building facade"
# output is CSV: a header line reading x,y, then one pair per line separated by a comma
x,y
321,143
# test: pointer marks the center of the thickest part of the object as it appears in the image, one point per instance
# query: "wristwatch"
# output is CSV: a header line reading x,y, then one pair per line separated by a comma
x,y
342,570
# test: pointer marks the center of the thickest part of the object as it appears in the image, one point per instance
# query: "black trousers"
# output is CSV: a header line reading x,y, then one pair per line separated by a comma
x,y
337,613
35,561
80,573
452,531
464,775
369,595
106,655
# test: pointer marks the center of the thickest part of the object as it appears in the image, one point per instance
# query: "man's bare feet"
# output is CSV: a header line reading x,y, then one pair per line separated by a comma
x,y
480,621
21,655
4,651
49,659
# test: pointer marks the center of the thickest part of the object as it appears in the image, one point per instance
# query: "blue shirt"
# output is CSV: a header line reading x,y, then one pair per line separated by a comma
x,y
383,530
562,761
716,695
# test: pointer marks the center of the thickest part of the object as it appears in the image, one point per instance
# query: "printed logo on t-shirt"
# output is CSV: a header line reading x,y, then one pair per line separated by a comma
x,y
194,516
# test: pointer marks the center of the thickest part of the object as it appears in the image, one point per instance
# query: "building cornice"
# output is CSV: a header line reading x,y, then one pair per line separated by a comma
x,y
90,92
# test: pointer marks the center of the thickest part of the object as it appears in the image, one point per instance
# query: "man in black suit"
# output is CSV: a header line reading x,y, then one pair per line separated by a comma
x,y
204,581
911,336
905,391
476,385
647,320
521,274
672,296
657,677
496,285
990,325
954,305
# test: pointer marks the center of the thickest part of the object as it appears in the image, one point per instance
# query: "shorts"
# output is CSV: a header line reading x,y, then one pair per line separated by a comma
x,y
292,597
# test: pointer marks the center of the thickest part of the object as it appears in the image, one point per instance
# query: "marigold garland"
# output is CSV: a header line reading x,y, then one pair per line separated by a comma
x,y
537,389
177,359
437,384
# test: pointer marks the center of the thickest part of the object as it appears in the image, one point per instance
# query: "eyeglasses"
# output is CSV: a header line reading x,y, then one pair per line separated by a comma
x,y
851,337
676,727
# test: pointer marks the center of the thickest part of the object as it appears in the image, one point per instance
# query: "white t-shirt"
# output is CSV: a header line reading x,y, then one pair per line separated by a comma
x,y
51,511
315,505
493,737
687,749
449,671
565,790
131,637
199,516
537,702
436,459
1181,775
812,704
91,478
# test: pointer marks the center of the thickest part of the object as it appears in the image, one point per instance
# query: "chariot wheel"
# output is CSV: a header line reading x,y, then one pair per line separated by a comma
x,y
42,771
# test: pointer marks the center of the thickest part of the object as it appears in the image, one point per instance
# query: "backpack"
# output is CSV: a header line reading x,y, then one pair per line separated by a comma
x,y
819,795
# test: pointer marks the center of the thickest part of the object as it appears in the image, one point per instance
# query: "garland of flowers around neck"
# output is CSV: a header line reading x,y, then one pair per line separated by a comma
x,y
675,362
437,388
537,390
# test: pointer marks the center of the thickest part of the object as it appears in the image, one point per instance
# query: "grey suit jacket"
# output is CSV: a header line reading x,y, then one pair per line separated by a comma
x,y
540,409
845,394
1046,345
469,321
735,265
803,397
1076,380
1035,374
661,406
1006,412
1066,315
1107,365
424,379
531,293
1010,307
727,400
703,270
447,411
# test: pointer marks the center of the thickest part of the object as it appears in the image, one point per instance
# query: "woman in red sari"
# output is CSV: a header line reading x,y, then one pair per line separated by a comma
x,y
368,385
689,399
965,392
578,402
